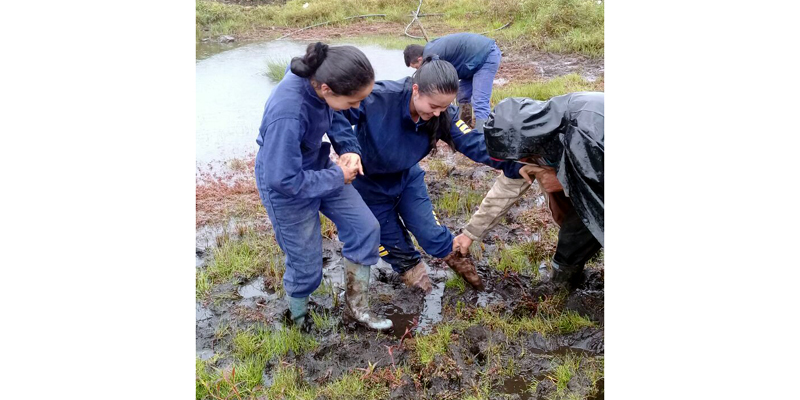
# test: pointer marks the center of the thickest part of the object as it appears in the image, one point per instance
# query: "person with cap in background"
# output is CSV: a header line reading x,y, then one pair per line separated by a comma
x,y
561,143
476,59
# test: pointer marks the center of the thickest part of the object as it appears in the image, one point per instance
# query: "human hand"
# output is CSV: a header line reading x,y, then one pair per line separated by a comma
x,y
545,175
350,173
462,243
351,160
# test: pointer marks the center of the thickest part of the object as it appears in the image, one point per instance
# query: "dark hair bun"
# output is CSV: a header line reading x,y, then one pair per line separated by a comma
x,y
430,58
307,65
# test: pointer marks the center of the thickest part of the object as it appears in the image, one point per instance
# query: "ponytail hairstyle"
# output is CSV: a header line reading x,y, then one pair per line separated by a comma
x,y
437,76
345,69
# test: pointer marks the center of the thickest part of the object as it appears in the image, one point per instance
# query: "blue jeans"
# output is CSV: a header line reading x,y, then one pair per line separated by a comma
x,y
297,230
401,204
478,89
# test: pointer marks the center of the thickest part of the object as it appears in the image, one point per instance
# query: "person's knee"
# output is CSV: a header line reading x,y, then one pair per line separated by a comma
x,y
372,232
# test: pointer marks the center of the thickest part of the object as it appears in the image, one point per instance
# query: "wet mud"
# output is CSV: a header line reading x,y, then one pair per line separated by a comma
x,y
479,360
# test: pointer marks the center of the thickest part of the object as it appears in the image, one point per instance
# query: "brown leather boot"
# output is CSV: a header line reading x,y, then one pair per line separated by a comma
x,y
465,114
463,266
418,276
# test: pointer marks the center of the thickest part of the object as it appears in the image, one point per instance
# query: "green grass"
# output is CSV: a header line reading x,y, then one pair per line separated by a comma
x,y
287,384
352,386
456,282
572,366
322,321
202,284
241,379
533,386
567,26
276,68
327,227
222,330
543,322
254,253
267,344
455,202
476,250
522,258
598,261
252,349
428,346
565,371
325,288
439,167
546,89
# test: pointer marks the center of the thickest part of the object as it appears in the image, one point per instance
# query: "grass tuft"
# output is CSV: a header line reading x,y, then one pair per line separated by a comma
x,y
323,321
276,68
525,257
255,253
327,227
202,284
455,202
456,282
544,322
428,346
267,344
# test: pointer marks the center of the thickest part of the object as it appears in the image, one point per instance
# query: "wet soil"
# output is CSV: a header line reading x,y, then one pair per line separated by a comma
x,y
477,357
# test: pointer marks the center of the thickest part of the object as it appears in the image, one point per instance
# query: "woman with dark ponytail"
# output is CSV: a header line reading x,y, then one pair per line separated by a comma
x,y
399,124
297,180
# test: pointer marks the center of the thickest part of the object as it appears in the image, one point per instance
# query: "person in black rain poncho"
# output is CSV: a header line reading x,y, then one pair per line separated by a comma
x,y
561,141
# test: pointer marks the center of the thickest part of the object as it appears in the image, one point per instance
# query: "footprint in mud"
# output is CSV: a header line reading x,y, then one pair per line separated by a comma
x,y
432,310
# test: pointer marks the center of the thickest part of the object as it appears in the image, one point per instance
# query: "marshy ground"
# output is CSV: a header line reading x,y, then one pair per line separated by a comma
x,y
515,340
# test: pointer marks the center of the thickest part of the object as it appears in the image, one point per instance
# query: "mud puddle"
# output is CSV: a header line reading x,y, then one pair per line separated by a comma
x,y
517,385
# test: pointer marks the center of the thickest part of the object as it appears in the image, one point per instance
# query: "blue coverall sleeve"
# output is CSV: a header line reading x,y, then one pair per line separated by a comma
x,y
471,143
285,174
342,136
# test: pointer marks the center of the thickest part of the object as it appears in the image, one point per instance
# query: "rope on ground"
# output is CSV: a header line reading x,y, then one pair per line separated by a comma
x,y
502,27
416,18
328,22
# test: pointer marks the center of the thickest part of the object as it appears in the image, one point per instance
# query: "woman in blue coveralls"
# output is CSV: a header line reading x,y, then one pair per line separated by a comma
x,y
297,180
397,125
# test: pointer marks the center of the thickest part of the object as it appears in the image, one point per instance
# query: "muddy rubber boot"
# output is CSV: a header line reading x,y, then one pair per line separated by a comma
x,y
465,113
479,125
562,275
298,308
418,277
464,267
356,297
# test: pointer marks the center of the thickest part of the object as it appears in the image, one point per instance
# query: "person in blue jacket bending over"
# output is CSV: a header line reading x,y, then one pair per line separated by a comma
x,y
476,59
396,126
297,180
